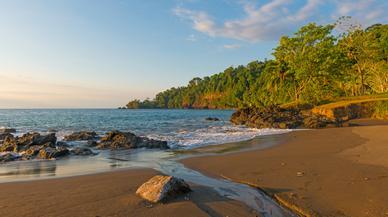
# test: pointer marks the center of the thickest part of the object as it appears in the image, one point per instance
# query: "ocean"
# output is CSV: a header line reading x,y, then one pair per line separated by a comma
x,y
182,129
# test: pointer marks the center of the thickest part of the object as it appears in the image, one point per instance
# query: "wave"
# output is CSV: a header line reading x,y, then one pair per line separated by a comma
x,y
213,135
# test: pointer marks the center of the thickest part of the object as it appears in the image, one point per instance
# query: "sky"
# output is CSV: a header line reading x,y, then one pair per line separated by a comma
x,y
103,53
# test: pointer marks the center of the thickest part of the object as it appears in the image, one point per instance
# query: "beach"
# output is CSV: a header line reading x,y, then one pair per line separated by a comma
x,y
326,172
108,194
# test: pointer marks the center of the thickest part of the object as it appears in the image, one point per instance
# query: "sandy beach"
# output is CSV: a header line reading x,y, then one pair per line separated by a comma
x,y
328,172
107,194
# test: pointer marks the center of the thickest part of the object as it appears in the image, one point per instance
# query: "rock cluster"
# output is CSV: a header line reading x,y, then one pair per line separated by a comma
x,y
162,188
273,117
81,136
27,141
276,117
35,146
128,140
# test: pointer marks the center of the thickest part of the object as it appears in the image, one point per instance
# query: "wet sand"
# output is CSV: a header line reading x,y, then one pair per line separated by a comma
x,y
107,194
327,172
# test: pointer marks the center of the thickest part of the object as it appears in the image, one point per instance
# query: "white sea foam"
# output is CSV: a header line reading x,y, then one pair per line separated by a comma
x,y
214,135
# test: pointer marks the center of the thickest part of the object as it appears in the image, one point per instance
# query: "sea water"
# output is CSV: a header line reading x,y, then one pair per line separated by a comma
x,y
182,129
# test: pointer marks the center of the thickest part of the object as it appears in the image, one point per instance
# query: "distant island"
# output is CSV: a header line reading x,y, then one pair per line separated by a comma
x,y
316,65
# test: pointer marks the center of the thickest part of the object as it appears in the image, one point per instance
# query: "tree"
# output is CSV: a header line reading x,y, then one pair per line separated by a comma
x,y
307,62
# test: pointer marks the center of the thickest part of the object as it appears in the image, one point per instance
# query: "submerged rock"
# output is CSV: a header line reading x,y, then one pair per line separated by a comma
x,y
7,130
80,136
212,119
62,144
162,188
127,140
52,153
82,151
91,143
8,156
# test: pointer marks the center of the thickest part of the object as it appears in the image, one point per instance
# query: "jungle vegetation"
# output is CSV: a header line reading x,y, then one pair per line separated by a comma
x,y
317,64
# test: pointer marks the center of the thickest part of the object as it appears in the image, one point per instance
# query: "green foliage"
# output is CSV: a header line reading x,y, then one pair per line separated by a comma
x,y
381,110
310,67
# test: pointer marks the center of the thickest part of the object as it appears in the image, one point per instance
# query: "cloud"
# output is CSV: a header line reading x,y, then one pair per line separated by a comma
x,y
366,12
232,46
278,17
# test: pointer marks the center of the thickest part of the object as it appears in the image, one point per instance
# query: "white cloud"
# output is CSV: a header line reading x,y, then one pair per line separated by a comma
x,y
365,12
269,21
232,46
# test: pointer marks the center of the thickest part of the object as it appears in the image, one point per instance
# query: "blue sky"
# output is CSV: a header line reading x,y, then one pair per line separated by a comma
x,y
102,53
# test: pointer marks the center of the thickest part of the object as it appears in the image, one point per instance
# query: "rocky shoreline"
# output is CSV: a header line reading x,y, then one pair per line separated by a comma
x,y
33,145
325,116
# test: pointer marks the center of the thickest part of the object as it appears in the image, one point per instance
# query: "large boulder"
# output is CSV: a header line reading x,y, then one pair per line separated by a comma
x,y
127,140
81,136
162,188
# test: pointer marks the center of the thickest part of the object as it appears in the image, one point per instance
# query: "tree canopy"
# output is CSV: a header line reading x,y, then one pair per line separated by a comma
x,y
313,65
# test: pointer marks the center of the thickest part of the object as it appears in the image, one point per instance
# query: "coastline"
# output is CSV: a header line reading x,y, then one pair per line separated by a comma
x,y
334,163
326,172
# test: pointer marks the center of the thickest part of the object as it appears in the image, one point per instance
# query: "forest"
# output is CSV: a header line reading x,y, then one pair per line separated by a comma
x,y
315,65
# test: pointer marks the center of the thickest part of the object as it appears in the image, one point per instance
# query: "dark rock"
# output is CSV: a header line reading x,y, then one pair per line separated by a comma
x,y
62,144
162,188
8,156
82,151
7,130
9,144
52,153
91,143
30,139
4,135
270,117
82,135
127,140
31,152
316,121
212,119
